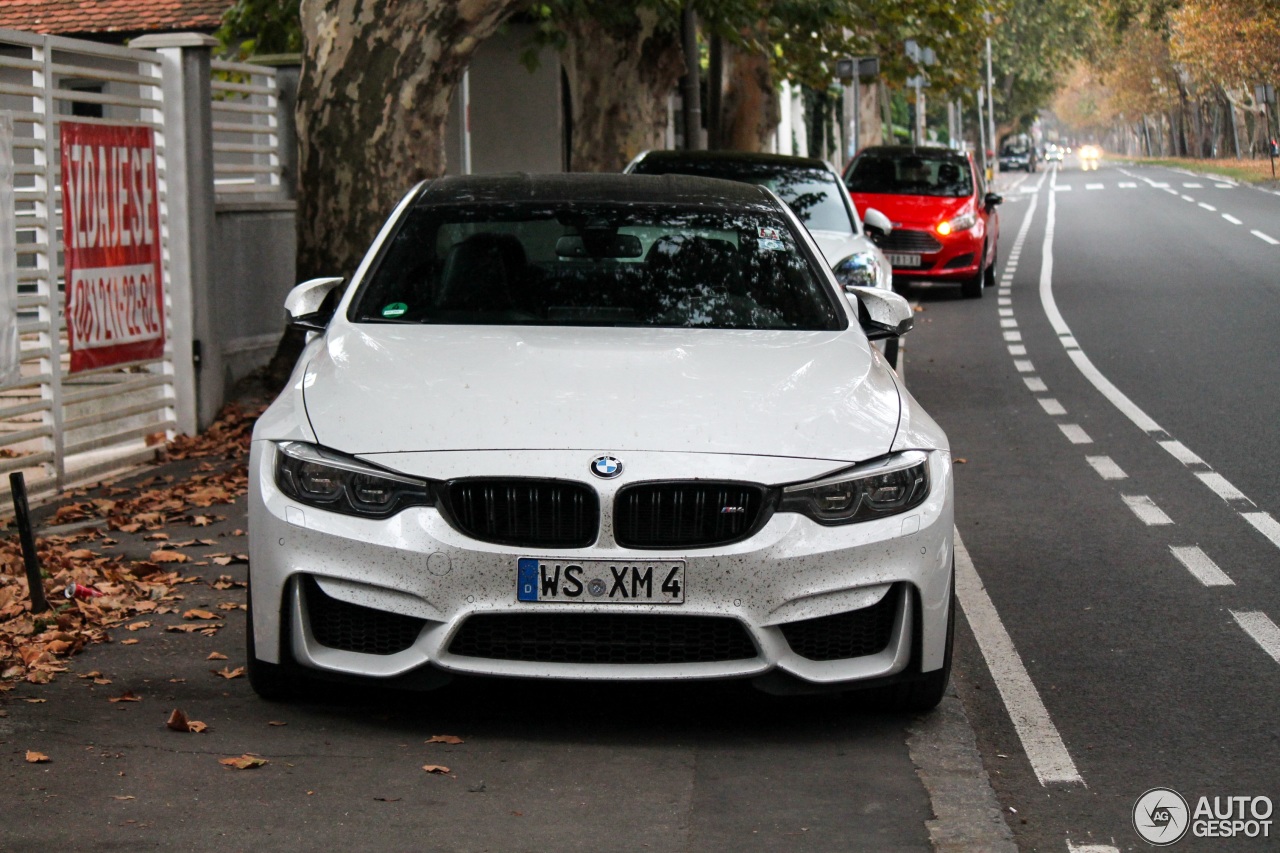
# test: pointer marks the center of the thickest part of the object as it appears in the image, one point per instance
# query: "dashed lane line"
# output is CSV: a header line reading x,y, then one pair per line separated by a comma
x,y
1198,563
1075,434
1040,737
1107,469
1232,219
1072,847
1146,510
1051,406
1266,238
1263,631
1209,207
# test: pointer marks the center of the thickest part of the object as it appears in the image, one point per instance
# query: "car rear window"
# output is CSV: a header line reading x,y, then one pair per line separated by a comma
x,y
597,265
910,173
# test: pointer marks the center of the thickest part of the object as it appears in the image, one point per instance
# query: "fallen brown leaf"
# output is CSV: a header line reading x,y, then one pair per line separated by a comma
x,y
244,762
124,797
451,739
200,614
168,557
227,673
178,722
127,696
128,642
216,656
435,768
276,723
34,757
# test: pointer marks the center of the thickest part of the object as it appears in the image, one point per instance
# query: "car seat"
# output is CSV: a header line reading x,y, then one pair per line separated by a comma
x,y
480,273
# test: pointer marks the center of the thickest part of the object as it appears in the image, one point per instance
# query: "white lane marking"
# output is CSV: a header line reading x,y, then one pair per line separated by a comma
x,y
1008,323
1090,848
1187,198
1069,342
1146,510
1024,366
1035,383
1127,185
1231,219
1075,433
1160,185
1063,189
1220,486
1265,524
1193,186
1004,300
1224,186
1261,628
1017,350
1181,452
1093,186
1051,406
1107,469
1112,393
1005,312
1040,738
1209,207
1266,238
1198,563
1013,336
1168,189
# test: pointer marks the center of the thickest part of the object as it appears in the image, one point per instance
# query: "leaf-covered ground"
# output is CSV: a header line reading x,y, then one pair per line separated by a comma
x,y
118,594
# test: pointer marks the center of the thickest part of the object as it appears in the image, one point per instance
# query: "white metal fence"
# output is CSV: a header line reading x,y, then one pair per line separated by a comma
x,y
246,138
57,427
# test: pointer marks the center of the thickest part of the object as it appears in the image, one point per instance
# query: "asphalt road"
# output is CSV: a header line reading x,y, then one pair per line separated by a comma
x,y
1116,415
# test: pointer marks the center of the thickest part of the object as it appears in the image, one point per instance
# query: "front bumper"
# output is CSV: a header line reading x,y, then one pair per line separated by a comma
x,y
385,599
954,258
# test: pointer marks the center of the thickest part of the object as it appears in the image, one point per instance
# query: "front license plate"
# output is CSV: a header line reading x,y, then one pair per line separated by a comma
x,y
899,260
600,581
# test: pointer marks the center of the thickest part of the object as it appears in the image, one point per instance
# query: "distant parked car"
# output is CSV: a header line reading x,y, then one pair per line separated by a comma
x,y
599,427
814,192
1053,153
1016,155
945,224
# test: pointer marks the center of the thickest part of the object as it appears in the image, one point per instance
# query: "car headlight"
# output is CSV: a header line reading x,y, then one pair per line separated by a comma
x,y
876,489
861,269
963,222
322,478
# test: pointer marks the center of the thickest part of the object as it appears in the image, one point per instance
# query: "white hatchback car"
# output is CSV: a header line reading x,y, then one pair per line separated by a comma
x,y
599,427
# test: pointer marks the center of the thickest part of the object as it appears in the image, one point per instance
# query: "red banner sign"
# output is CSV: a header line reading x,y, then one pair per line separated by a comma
x,y
111,238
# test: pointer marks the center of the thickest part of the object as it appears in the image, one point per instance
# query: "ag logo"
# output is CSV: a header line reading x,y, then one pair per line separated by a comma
x,y
1161,816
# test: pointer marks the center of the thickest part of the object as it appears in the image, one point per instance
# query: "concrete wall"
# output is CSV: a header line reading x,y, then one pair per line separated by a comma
x,y
517,122
254,264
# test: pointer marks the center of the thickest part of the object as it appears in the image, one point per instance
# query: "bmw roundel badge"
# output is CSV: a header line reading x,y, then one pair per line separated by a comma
x,y
607,467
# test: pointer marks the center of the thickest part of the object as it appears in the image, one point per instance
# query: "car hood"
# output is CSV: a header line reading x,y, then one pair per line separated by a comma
x,y
919,211
837,245
395,388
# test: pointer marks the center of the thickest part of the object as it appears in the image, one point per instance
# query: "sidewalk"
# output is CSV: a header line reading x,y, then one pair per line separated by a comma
x,y
162,550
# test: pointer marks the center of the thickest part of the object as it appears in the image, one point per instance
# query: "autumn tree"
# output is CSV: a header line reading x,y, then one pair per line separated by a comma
x,y
377,80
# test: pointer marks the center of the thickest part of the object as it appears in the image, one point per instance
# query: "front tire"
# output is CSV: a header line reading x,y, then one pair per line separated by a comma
x,y
275,682
924,694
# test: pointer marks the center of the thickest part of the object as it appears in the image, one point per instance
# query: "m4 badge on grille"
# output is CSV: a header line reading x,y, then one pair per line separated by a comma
x,y
732,510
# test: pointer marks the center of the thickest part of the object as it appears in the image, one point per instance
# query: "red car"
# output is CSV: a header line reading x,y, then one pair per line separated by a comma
x,y
945,226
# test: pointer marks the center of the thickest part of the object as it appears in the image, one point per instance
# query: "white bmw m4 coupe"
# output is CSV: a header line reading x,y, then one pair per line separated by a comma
x,y
599,427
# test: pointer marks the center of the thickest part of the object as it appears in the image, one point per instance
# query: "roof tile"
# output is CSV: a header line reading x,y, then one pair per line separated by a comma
x,y
62,17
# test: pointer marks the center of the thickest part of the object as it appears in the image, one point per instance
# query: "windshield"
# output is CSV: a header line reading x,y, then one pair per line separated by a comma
x,y
596,265
914,173
813,194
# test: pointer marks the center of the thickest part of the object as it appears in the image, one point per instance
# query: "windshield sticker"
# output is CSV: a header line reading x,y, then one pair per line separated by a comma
x,y
770,234
767,244
395,309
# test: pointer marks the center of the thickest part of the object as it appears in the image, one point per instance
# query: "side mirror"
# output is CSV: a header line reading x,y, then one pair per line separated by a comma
x,y
882,313
875,221
305,304
991,200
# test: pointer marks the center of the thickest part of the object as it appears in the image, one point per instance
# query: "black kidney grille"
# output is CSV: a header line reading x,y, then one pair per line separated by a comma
x,y
845,635
353,628
603,638
533,513
685,515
